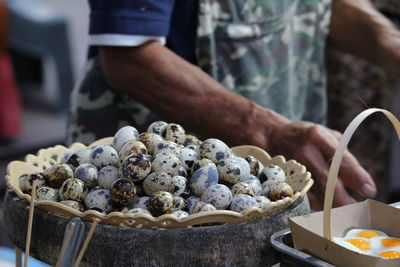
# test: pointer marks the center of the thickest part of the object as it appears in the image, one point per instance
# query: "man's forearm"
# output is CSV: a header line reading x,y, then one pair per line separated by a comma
x,y
180,92
357,27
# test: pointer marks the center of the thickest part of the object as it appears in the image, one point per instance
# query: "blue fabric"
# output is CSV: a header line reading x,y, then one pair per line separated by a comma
x,y
174,19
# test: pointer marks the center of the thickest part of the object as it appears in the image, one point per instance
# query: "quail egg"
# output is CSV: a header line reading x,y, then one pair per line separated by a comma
x,y
188,158
244,166
201,163
73,204
203,178
132,147
99,200
124,135
150,140
255,183
182,172
141,202
157,127
107,175
180,203
158,181
103,156
161,203
218,195
280,191
191,140
179,183
139,211
191,202
273,172
78,157
242,188
230,170
174,132
167,146
242,202
135,167
166,162
180,213
214,149
21,182
57,174
202,206
255,165
123,191
37,176
47,193
262,202
88,174
73,189
267,186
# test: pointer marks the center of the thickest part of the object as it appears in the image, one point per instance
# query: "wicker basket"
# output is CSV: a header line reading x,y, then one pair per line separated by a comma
x,y
297,177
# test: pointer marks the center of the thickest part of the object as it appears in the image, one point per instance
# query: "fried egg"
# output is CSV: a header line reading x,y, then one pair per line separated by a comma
x,y
364,233
357,244
387,247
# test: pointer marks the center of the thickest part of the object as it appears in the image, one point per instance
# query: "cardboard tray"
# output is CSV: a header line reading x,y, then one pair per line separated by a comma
x,y
313,233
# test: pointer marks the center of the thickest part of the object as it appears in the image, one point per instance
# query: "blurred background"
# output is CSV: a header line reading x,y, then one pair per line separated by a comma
x,y
43,46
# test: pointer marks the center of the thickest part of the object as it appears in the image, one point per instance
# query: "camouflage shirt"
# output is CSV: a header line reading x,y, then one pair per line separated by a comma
x,y
270,51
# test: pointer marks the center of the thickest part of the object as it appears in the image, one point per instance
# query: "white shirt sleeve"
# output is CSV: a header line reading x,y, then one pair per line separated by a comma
x,y
123,39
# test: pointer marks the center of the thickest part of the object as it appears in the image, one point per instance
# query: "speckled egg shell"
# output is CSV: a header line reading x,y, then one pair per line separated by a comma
x,y
88,174
161,203
218,195
21,182
150,140
273,172
99,199
202,206
191,202
141,202
101,156
158,181
157,127
57,174
203,178
135,167
28,182
167,146
132,147
245,167
182,172
179,183
180,203
123,191
188,158
255,165
78,157
73,204
139,211
262,202
180,213
124,135
242,188
214,149
268,186
230,170
280,191
242,202
47,193
201,163
166,162
174,132
191,140
73,189
255,183
107,175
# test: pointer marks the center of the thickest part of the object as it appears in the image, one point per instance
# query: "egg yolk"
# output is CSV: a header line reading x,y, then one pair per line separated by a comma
x,y
359,243
390,254
367,234
390,242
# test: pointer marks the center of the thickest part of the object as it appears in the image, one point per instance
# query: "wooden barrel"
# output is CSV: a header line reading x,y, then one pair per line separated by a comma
x,y
244,244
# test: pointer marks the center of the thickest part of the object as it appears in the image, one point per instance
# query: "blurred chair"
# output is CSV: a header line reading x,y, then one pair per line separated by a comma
x,y
36,30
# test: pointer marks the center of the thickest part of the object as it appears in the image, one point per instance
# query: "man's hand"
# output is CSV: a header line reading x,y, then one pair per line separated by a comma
x,y
314,146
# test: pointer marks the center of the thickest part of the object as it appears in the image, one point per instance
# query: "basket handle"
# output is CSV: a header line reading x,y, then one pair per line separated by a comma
x,y
337,159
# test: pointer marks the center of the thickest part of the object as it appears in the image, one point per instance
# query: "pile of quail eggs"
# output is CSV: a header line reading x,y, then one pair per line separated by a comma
x,y
161,171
